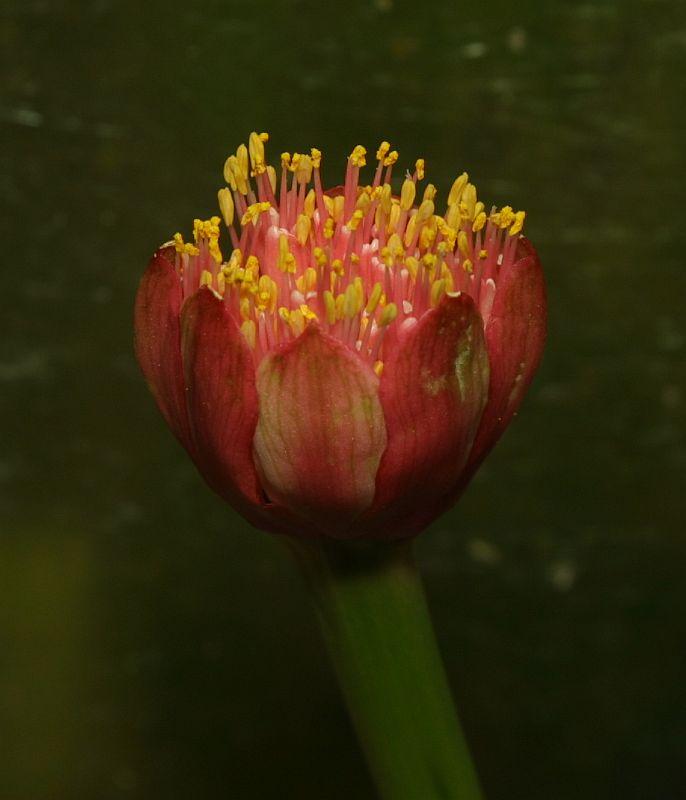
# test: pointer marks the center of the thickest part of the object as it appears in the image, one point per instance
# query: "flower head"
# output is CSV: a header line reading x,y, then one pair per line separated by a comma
x,y
342,367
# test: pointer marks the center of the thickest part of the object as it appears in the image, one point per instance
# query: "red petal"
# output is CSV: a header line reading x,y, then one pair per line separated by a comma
x,y
157,341
433,391
515,336
222,399
320,433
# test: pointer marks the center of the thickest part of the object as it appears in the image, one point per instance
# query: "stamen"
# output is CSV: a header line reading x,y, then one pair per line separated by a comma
x,y
361,263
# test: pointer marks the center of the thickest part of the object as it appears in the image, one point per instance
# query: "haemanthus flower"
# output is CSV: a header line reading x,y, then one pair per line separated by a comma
x,y
344,371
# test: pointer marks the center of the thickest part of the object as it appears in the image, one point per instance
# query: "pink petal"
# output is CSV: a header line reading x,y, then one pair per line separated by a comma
x,y
157,340
320,433
222,399
433,392
515,336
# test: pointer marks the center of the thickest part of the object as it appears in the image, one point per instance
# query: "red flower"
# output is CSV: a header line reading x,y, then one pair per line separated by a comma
x,y
347,369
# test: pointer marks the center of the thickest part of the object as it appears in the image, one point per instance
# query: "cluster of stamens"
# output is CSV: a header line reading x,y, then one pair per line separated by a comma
x,y
361,262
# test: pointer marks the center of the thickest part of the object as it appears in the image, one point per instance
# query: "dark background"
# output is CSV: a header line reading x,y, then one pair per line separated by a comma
x,y
153,646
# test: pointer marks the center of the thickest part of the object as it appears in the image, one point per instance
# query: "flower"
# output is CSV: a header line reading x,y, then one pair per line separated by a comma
x,y
347,368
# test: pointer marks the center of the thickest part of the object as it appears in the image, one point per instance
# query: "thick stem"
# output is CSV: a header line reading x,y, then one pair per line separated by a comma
x,y
377,627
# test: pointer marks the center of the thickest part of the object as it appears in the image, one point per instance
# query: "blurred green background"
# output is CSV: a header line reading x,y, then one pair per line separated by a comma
x,y
153,645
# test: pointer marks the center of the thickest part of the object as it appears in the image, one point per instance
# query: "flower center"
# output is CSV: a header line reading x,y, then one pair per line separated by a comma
x,y
363,263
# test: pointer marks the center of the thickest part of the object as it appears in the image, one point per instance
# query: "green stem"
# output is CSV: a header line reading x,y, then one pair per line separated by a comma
x,y
377,627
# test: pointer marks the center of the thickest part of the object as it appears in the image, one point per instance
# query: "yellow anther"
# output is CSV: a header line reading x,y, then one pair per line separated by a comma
x,y
429,262
234,176
374,298
384,147
359,292
340,306
338,207
284,252
350,308
410,230
230,166
391,158
386,257
297,321
479,221
329,227
478,208
337,266
221,282
271,174
429,192
285,314
385,200
378,368
265,298
419,167
518,224
206,228
249,331
407,194
320,257
303,170
285,160
206,278
393,218
447,277
453,217
469,199
437,291
455,194
310,279
225,199
242,157
463,244
256,150
467,266
426,210
358,156
328,204
354,258
252,266
388,315
244,308
412,266
363,202
483,254
395,245
507,217
310,202
303,226
178,243
235,260
253,212
376,193
307,313
450,235
355,220
215,252
329,307
316,156
294,162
